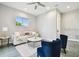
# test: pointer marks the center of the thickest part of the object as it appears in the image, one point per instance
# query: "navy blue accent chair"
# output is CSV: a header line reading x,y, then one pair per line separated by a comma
x,y
49,49
64,39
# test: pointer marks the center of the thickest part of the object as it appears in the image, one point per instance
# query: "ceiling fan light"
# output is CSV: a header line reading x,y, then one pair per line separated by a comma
x,y
35,7
48,8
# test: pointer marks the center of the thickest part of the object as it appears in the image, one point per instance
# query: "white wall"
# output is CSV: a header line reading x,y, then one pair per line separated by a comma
x,y
46,24
70,24
8,19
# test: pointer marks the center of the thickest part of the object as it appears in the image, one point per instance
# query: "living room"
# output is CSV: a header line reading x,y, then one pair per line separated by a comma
x,y
45,21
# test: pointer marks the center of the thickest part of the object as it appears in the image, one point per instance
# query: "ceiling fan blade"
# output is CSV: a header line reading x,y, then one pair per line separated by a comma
x,y
56,5
31,3
41,4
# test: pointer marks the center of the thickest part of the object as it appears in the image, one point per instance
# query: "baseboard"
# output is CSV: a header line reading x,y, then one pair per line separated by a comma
x,y
77,40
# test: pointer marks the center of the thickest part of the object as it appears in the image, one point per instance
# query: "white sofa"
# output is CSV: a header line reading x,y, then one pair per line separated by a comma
x,y
22,37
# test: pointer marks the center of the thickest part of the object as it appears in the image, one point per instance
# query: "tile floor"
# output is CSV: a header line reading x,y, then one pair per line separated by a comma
x,y
11,51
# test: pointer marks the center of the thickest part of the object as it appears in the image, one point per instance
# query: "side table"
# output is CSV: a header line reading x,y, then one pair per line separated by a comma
x,y
5,38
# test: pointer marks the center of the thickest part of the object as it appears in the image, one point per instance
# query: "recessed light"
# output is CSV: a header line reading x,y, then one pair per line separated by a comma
x,y
47,8
68,6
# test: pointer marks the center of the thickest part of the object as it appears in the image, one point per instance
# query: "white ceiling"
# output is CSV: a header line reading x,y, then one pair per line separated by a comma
x,y
62,6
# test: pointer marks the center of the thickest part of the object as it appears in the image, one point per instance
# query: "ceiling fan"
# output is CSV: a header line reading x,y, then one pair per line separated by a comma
x,y
36,4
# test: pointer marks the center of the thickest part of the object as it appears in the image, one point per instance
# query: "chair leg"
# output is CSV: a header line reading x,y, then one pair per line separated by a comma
x,y
64,50
37,55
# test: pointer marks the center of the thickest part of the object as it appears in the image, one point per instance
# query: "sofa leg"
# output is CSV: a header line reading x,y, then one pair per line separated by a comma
x,y
64,51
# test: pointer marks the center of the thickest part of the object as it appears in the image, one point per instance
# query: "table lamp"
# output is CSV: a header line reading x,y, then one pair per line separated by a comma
x,y
5,29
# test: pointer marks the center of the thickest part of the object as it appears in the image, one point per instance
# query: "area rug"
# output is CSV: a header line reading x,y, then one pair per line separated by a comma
x,y
25,50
